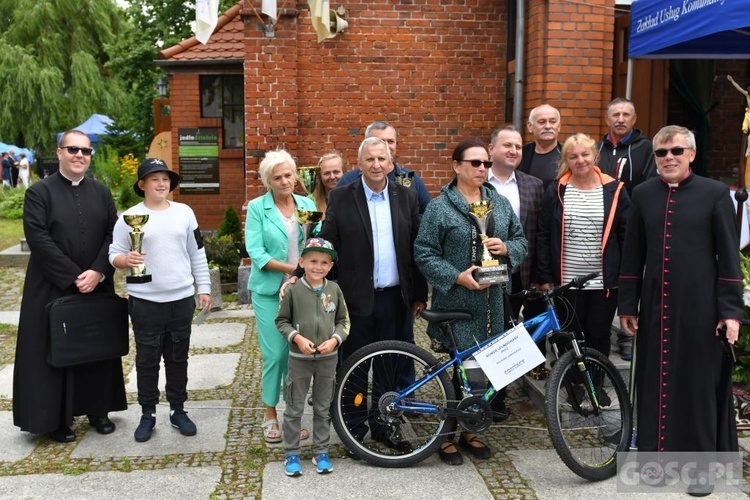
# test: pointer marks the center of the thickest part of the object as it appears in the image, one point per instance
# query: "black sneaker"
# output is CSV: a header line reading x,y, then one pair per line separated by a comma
x,y
626,348
604,400
145,427
181,421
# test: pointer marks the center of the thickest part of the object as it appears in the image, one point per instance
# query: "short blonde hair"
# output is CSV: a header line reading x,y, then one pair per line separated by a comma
x,y
573,141
271,160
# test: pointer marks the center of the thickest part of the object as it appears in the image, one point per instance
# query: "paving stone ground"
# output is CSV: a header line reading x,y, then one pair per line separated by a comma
x,y
229,459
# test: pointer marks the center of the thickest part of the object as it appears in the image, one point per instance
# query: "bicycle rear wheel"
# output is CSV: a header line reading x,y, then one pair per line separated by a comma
x,y
588,414
368,381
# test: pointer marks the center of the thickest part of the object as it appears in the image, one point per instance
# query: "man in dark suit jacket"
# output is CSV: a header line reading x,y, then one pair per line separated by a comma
x,y
372,224
525,194
349,227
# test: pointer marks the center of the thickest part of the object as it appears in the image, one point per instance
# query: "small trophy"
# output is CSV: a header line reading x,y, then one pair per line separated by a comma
x,y
492,271
405,179
309,178
307,220
137,273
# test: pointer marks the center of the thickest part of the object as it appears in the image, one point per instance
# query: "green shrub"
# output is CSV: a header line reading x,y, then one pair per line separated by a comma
x,y
230,226
741,373
221,252
11,203
126,197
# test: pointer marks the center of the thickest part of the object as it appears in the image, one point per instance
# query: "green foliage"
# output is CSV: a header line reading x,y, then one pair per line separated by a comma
x,y
126,197
122,142
11,203
230,226
221,252
153,26
53,57
741,373
117,173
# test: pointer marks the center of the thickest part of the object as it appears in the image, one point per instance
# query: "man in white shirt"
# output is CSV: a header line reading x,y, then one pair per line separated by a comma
x,y
525,195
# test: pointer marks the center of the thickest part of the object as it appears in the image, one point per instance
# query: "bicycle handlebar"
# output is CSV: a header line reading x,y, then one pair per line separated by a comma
x,y
576,282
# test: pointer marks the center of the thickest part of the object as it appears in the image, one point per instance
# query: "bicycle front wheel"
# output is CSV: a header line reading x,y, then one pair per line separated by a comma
x,y
588,414
368,382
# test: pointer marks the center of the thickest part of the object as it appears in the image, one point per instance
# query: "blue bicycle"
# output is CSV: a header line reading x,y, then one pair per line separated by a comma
x,y
402,394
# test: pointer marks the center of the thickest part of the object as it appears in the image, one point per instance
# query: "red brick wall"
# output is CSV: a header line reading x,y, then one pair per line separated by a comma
x,y
186,112
569,53
435,69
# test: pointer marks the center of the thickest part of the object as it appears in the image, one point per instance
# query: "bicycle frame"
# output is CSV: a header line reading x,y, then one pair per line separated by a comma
x,y
539,327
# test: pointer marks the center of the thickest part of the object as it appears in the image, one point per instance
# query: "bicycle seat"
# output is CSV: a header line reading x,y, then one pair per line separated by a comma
x,y
442,316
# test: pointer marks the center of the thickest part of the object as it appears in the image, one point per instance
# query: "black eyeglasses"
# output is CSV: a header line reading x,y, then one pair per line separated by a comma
x,y
75,149
661,153
478,163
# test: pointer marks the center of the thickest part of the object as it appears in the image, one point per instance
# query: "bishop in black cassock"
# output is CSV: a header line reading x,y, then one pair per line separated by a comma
x,y
68,227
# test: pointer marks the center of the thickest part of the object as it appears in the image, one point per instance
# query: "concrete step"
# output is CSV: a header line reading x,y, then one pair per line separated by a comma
x,y
15,256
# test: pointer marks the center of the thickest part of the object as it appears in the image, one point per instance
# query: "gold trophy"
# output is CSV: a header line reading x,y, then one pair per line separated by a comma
x,y
405,179
308,177
308,219
137,273
492,271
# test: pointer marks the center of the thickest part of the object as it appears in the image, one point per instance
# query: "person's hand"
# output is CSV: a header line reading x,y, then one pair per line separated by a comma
x,y
284,286
204,300
88,280
417,308
133,259
328,346
466,280
629,324
733,329
305,346
496,246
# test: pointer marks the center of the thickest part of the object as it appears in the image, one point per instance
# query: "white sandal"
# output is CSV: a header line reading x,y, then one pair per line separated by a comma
x,y
272,435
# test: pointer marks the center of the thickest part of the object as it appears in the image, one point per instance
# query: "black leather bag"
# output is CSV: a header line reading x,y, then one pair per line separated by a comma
x,y
85,327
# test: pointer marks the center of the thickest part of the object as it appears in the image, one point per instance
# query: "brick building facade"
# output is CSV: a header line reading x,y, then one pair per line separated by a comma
x,y
438,70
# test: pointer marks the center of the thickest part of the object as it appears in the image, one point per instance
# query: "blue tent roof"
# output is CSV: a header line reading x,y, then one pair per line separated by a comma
x,y
94,127
690,29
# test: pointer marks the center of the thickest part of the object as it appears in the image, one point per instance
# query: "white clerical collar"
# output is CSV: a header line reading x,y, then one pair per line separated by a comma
x,y
673,184
72,182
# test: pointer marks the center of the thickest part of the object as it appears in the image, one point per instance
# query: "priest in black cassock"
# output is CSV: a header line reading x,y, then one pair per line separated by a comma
x,y
681,259
68,221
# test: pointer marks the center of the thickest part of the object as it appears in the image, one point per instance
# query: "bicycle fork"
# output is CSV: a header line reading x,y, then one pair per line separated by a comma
x,y
586,375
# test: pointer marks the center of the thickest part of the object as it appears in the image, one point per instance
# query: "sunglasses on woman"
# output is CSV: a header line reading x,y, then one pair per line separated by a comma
x,y
478,163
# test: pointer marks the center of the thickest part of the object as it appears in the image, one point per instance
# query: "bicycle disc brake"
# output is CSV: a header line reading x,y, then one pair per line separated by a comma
x,y
475,414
